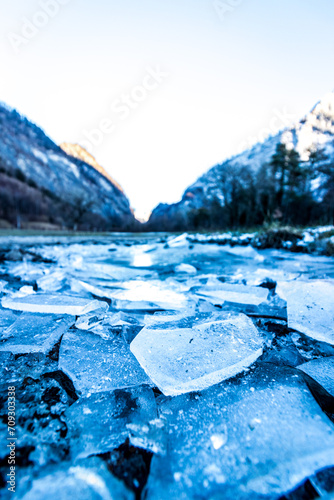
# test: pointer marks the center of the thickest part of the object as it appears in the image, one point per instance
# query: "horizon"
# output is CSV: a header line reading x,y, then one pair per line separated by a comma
x,y
197,97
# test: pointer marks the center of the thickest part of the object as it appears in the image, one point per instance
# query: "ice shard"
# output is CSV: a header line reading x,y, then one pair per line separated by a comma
x,y
34,333
7,318
98,365
240,294
53,304
98,424
310,307
195,354
322,371
141,295
85,479
257,436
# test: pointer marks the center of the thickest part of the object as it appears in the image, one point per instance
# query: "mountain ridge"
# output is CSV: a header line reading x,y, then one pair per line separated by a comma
x,y
315,130
86,195
80,153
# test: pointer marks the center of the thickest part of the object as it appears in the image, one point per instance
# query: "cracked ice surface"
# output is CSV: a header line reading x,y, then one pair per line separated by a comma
x,y
183,357
239,440
98,365
311,307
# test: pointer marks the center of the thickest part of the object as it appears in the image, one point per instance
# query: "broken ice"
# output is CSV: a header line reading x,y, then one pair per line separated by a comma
x,y
256,436
98,424
240,294
86,480
34,333
193,357
322,371
151,436
111,324
52,281
141,295
310,307
53,304
247,252
98,365
185,269
7,318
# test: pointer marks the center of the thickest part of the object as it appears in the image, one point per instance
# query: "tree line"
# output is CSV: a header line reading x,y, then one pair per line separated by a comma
x,y
285,190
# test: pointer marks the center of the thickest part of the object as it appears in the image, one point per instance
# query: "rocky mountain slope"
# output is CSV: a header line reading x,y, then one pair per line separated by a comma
x,y
40,183
315,131
80,153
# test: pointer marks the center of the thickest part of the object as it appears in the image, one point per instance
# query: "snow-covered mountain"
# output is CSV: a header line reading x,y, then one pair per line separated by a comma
x,y
315,130
51,185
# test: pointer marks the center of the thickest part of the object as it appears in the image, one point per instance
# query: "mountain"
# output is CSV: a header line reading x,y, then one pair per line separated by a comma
x,y
42,183
80,153
314,132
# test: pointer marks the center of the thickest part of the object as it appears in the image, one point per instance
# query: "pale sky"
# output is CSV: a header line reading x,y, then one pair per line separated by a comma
x,y
229,72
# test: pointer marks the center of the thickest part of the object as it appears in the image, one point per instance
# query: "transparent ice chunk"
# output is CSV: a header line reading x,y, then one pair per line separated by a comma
x,y
128,325
111,324
195,356
256,436
52,281
53,304
141,295
79,286
281,350
178,241
85,480
246,252
151,436
322,371
240,294
98,424
185,269
91,320
34,333
7,318
310,307
167,316
128,319
98,365
108,273
23,291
